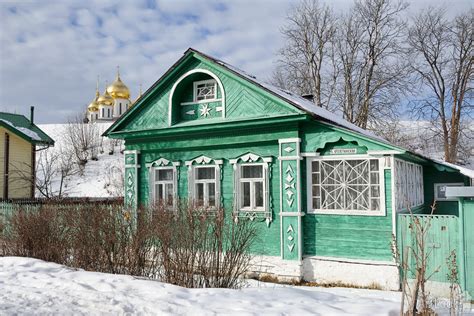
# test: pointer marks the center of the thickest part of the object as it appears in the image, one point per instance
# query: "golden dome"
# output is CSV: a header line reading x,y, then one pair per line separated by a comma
x,y
105,99
118,90
94,105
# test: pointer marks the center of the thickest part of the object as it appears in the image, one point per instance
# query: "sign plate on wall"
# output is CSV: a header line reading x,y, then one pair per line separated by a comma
x,y
343,151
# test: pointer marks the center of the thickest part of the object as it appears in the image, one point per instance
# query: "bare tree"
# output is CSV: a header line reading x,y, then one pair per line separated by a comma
x,y
352,63
442,52
306,58
369,49
83,139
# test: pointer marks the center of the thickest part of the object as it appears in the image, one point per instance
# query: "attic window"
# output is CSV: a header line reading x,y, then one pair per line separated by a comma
x,y
205,90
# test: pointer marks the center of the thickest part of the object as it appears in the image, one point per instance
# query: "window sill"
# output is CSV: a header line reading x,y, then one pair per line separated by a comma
x,y
348,213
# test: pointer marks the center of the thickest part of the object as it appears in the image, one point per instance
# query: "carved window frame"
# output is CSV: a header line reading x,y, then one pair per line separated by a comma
x,y
163,164
259,212
205,162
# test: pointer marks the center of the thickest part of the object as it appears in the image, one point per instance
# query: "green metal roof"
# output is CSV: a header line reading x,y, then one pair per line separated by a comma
x,y
22,127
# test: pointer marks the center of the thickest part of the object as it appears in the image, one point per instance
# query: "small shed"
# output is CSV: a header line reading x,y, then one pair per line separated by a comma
x,y
20,139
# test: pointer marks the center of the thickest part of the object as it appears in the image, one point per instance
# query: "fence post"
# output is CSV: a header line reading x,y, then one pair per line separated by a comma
x,y
462,254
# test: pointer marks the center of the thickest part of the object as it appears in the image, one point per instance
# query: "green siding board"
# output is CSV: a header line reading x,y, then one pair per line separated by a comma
x,y
350,236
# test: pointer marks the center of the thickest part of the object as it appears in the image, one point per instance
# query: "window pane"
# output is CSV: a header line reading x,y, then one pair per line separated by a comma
x,y
316,190
252,172
164,174
316,178
374,178
374,165
245,194
205,173
375,191
169,194
316,203
200,194
211,187
315,165
258,194
158,192
375,204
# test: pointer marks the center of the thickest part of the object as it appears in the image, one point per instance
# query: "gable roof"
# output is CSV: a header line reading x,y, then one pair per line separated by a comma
x,y
287,96
297,101
21,126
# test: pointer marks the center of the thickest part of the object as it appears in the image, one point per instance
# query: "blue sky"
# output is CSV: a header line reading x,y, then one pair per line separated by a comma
x,y
51,52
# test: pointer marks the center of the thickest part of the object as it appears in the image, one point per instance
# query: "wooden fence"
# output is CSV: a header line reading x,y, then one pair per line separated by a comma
x,y
442,238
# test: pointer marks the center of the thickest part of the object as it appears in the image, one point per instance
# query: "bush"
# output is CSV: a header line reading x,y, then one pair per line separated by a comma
x,y
202,249
188,247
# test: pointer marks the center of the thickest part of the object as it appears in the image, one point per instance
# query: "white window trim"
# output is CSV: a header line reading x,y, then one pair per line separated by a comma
x,y
450,184
202,162
164,183
309,186
216,182
161,164
252,182
397,195
196,83
252,159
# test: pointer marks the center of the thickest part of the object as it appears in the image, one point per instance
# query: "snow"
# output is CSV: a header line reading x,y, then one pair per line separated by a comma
x,y
94,181
26,131
31,286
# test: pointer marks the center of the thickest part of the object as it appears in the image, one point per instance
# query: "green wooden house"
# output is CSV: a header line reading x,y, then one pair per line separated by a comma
x,y
324,193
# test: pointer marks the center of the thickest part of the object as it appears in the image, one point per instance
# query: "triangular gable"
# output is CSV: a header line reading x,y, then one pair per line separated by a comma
x,y
243,99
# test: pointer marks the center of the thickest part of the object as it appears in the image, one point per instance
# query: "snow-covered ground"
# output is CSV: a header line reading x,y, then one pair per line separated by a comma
x,y
30,286
94,182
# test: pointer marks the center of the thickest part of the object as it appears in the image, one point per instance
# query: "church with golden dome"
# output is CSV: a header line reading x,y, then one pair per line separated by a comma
x,y
111,104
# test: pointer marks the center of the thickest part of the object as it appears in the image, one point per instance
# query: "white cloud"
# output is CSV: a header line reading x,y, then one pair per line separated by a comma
x,y
51,53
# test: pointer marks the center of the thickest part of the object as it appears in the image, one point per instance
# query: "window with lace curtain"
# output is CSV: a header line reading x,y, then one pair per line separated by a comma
x,y
346,186
408,185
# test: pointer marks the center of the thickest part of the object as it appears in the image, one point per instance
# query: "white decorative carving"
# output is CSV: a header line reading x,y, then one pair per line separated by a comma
x,y
205,110
192,112
290,247
249,158
290,238
289,194
219,109
288,149
160,162
289,185
289,169
289,178
289,202
290,229
202,159
130,158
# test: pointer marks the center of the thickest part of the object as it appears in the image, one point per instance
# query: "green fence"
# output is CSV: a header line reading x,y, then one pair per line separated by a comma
x,y
442,238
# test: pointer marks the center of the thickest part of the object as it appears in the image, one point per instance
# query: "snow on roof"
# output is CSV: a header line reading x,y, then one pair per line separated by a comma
x,y
302,103
28,132
465,171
